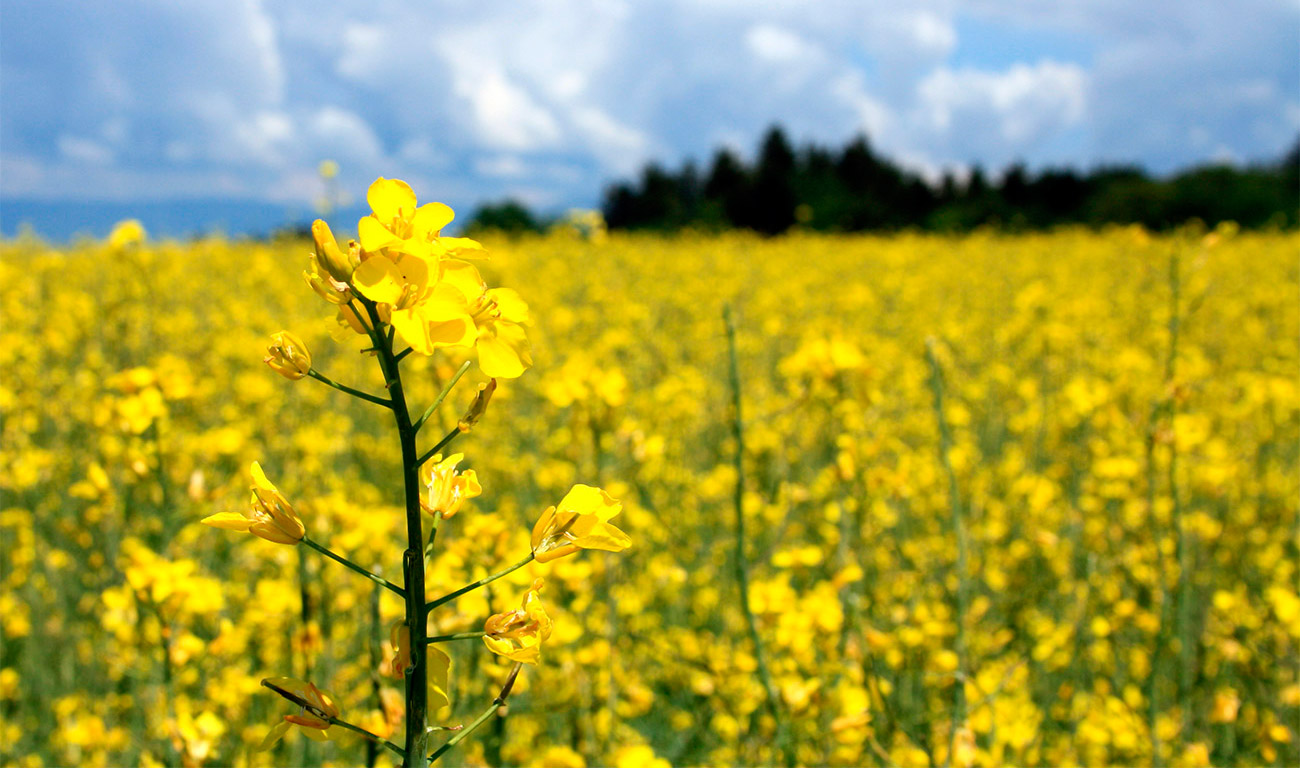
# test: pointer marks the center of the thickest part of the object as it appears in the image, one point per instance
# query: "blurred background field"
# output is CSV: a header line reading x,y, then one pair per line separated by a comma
x,y
1097,565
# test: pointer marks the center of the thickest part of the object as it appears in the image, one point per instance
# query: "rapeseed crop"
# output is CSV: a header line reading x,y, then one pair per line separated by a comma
x,y
1006,499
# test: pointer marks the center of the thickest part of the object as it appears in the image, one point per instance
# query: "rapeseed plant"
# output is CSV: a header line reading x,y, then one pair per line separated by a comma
x,y
405,281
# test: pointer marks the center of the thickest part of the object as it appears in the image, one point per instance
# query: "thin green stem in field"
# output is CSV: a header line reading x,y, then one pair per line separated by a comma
x,y
741,563
485,580
442,395
318,376
959,532
497,704
1183,623
376,578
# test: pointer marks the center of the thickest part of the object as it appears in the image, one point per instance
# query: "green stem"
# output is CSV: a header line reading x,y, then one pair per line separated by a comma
x,y
485,580
742,570
959,532
497,703
435,450
457,636
402,355
376,578
442,395
417,673
318,376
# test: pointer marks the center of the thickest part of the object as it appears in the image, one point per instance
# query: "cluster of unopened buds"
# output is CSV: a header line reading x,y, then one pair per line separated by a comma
x,y
409,290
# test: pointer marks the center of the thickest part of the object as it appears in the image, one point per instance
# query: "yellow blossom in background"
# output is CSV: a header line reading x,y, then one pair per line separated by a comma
x,y
127,233
270,516
518,635
579,521
1089,480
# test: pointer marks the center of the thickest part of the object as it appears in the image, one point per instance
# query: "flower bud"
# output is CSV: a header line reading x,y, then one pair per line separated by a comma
x,y
327,251
288,356
478,407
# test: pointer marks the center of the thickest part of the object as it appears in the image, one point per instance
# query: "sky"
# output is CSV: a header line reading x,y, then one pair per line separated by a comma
x,y
151,101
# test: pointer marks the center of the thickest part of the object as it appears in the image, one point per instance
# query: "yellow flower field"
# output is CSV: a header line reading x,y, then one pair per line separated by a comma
x,y
1008,500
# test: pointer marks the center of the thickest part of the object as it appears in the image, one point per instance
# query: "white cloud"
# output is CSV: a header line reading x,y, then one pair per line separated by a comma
x,y
506,115
343,135
1026,101
779,45
82,150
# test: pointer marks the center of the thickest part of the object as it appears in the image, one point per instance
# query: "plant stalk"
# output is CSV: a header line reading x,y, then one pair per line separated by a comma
x,y
741,564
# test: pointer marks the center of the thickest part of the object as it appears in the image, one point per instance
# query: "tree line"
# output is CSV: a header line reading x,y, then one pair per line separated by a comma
x,y
857,189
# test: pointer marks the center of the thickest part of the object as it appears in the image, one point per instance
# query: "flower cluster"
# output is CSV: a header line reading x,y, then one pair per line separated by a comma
x,y
420,282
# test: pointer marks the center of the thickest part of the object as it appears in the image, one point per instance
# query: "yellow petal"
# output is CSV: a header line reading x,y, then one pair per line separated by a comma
x,y
605,537
503,352
413,329
374,235
456,332
587,499
378,279
439,675
315,734
462,248
277,534
510,304
230,521
259,478
390,199
464,277
275,735
557,553
413,270
431,218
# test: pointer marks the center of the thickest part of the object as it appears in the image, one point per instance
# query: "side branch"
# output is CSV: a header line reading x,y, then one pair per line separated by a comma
x,y
376,578
498,704
442,395
435,450
315,712
485,580
318,376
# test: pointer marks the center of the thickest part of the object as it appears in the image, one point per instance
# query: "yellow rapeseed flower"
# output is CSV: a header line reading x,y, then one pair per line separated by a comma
x,y
518,635
396,223
445,489
270,515
288,356
579,521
